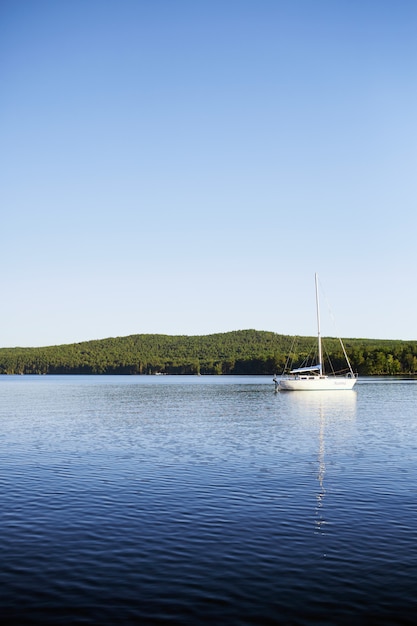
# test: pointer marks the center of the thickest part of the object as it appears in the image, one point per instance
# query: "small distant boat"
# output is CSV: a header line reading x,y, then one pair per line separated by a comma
x,y
313,377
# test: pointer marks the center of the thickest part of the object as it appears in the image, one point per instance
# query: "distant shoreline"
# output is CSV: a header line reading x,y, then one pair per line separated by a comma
x,y
250,352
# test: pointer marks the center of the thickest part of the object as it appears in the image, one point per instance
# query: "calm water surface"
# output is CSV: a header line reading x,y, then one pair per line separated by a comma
x,y
206,500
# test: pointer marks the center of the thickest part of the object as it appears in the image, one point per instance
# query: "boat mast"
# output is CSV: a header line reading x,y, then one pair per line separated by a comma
x,y
318,325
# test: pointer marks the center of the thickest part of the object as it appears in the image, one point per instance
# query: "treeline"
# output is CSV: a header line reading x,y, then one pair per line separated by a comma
x,y
237,352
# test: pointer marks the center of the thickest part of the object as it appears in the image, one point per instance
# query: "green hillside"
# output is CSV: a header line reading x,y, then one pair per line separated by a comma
x,y
237,352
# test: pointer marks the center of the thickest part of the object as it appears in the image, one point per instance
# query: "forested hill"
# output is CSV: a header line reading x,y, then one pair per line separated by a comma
x,y
237,352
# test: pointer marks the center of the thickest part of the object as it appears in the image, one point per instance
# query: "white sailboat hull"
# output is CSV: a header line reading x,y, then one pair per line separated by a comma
x,y
319,383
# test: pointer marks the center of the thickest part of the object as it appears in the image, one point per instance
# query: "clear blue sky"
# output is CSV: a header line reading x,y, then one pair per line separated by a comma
x,y
185,166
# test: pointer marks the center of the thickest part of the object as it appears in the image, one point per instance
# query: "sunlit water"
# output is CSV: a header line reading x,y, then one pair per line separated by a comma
x,y
206,500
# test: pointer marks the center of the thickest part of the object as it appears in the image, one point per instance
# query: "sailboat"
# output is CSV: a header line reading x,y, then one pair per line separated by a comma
x,y
313,377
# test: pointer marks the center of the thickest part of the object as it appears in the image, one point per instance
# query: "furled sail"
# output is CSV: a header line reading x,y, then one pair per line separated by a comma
x,y
311,368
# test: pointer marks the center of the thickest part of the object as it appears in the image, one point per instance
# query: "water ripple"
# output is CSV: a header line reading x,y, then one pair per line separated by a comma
x,y
186,501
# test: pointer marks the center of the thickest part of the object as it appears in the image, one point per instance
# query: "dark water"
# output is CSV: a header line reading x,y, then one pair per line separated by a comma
x,y
206,500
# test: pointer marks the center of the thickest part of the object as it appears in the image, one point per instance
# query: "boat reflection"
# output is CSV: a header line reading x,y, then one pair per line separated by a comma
x,y
329,414
340,406
319,522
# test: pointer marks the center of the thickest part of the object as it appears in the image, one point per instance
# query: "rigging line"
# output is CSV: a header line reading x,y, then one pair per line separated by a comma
x,y
290,358
329,309
310,357
329,359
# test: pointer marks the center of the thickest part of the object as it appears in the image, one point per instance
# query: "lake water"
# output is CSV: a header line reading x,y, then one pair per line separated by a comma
x,y
206,500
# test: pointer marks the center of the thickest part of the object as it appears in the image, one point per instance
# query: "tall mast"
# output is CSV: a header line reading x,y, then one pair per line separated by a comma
x,y
318,324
